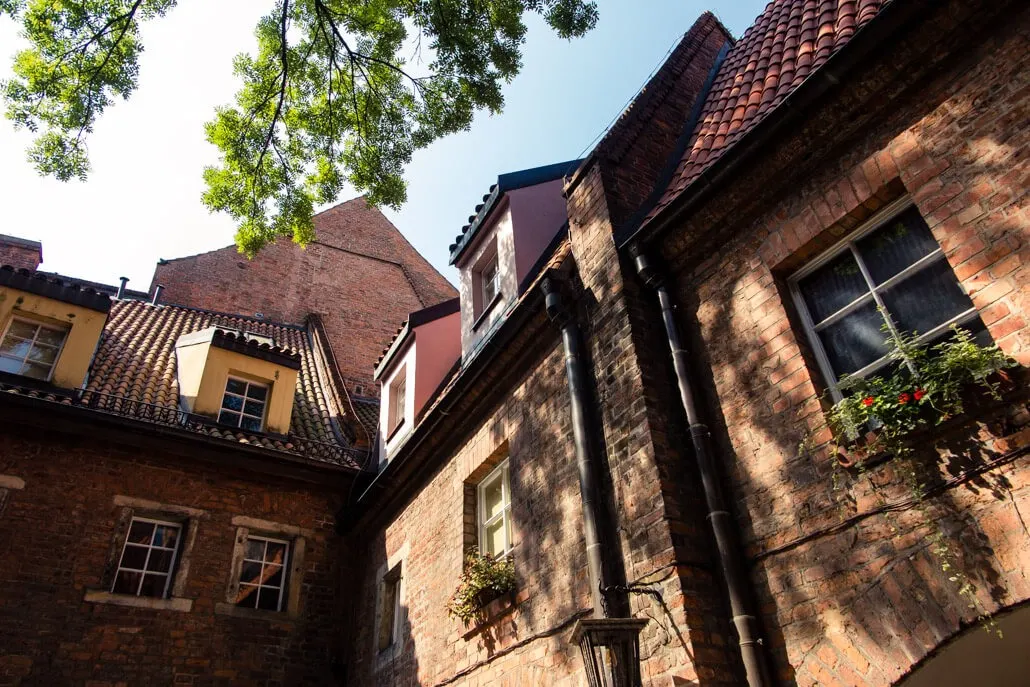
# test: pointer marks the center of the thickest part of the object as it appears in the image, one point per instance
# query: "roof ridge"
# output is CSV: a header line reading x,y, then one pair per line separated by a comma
x,y
216,313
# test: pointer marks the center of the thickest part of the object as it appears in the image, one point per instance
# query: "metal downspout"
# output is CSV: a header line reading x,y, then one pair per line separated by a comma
x,y
731,562
598,567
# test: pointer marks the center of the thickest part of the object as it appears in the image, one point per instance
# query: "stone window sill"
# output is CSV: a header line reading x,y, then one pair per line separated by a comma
x,y
173,604
495,611
223,608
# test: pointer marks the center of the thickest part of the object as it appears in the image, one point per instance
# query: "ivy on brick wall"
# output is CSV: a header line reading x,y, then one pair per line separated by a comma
x,y
881,416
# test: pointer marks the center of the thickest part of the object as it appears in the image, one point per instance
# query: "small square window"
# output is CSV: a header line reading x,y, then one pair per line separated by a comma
x,y
243,404
494,508
30,348
397,400
389,608
148,557
262,579
892,273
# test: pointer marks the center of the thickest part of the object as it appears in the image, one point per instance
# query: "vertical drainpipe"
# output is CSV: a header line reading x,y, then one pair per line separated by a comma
x,y
731,560
587,461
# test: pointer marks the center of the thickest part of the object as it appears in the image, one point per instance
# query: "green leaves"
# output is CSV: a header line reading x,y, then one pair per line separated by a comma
x,y
923,386
330,97
483,579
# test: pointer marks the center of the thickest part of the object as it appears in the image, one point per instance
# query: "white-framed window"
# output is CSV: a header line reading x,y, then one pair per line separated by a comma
x,y
891,272
244,404
389,609
397,399
493,503
31,348
262,581
148,558
490,281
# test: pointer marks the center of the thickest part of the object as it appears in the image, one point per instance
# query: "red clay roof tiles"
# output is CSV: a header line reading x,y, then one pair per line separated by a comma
x,y
788,41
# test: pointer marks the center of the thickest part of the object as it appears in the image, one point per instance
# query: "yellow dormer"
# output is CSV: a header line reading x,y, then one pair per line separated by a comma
x,y
50,330
239,379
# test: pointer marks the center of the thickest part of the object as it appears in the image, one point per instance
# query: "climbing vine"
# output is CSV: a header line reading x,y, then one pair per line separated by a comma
x,y
923,387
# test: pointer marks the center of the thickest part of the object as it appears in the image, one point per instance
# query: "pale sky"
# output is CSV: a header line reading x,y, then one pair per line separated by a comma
x,y
142,199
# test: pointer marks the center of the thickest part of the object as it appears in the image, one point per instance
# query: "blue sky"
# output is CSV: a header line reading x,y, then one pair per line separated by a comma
x,y
142,200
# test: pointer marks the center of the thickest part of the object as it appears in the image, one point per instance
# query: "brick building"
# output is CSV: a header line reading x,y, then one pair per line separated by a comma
x,y
629,396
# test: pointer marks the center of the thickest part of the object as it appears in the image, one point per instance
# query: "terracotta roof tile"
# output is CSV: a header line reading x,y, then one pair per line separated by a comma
x,y
136,361
787,42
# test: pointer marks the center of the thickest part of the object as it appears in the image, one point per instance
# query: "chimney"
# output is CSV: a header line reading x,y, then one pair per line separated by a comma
x,y
157,294
121,288
19,253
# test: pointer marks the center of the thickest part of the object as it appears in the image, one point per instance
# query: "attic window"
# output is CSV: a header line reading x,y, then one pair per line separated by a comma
x,y
396,398
31,348
243,404
486,282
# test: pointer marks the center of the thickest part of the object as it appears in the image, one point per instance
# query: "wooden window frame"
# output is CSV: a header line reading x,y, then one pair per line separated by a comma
x,y
246,397
499,472
65,330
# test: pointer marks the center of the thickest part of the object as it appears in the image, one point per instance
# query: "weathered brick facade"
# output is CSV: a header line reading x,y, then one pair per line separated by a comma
x,y
56,538
360,275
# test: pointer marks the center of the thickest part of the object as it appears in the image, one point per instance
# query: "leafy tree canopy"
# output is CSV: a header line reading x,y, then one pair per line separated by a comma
x,y
328,97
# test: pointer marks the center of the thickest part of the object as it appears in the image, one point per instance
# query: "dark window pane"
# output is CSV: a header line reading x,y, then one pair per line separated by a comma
x,y
832,286
896,245
269,599
257,392
227,418
160,560
855,340
251,424
250,572
134,557
256,408
926,299
236,386
21,329
273,575
50,337
36,371
43,354
166,536
276,552
255,549
127,582
247,596
15,347
232,402
140,532
153,585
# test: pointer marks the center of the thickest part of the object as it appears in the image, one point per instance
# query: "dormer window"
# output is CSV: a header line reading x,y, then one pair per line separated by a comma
x,y
31,348
486,283
490,280
397,400
243,404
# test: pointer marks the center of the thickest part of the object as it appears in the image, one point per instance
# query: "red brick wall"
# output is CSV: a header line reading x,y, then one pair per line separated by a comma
x,y
863,605
55,537
532,428
360,275
18,257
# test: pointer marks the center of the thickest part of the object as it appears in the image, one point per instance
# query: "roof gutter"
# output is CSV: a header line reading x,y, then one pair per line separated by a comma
x,y
891,18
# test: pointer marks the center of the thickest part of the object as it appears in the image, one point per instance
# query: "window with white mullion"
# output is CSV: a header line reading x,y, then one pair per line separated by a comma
x,y
892,274
148,558
31,348
243,404
494,505
263,573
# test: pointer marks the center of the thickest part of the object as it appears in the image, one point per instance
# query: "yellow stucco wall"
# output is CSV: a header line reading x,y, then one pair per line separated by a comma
x,y
203,370
86,327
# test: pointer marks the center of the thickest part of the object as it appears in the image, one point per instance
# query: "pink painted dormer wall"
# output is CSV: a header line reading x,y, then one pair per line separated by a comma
x,y
515,234
413,368
537,214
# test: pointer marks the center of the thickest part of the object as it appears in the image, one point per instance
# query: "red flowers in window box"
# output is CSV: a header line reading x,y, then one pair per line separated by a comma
x,y
919,393
868,401
904,397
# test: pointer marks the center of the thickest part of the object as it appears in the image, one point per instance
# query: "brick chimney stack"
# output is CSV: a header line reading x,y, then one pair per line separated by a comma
x,y
20,253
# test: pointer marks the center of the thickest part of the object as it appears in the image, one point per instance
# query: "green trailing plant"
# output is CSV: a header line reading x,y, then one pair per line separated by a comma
x,y
483,579
923,387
